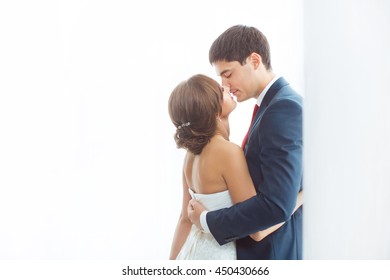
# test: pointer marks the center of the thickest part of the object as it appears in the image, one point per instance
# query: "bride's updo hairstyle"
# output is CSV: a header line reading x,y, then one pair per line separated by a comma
x,y
193,107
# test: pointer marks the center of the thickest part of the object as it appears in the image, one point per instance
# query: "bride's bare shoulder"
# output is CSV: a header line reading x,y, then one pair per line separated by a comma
x,y
226,148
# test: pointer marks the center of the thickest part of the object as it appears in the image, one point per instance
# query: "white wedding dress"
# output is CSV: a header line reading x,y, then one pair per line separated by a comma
x,y
202,246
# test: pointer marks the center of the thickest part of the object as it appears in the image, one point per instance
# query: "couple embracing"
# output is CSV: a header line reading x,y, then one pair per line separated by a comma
x,y
239,202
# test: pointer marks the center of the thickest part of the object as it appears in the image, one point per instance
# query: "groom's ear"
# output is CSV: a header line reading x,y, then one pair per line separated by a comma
x,y
255,60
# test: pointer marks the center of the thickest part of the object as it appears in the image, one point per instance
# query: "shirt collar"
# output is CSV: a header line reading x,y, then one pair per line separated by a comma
x,y
264,92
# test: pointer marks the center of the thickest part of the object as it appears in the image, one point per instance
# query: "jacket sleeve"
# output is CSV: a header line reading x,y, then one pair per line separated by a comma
x,y
279,137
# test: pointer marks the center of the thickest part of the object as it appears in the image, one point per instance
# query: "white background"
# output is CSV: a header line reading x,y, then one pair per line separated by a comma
x,y
89,168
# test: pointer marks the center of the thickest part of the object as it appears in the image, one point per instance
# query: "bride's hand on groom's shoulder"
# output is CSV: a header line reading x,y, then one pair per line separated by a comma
x,y
194,209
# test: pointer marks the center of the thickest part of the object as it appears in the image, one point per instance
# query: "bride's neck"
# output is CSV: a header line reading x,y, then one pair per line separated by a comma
x,y
223,128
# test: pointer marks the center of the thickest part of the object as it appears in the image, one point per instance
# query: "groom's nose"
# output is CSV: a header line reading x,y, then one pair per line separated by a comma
x,y
225,82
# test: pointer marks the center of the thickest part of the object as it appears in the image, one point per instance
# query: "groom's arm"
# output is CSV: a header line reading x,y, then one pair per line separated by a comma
x,y
197,214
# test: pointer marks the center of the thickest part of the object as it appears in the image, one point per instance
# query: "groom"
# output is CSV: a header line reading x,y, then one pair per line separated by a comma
x,y
273,150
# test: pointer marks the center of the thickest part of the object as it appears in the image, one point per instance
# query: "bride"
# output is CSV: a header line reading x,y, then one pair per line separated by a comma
x,y
214,170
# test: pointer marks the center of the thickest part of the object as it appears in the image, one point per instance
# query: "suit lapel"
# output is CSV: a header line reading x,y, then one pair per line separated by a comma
x,y
279,83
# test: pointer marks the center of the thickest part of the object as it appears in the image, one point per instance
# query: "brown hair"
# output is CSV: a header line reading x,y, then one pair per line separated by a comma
x,y
237,43
193,106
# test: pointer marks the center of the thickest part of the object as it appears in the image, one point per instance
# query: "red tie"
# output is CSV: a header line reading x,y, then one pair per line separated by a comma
x,y
247,134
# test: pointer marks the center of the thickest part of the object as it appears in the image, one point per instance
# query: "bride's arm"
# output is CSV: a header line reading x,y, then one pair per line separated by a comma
x,y
183,225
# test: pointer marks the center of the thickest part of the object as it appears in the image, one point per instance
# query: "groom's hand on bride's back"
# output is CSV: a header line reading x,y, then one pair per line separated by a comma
x,y
194,209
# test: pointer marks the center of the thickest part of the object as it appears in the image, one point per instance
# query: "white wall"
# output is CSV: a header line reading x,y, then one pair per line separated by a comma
x,y
89,168
347,130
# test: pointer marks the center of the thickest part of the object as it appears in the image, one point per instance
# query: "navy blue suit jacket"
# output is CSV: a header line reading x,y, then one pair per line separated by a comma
x,y
274,156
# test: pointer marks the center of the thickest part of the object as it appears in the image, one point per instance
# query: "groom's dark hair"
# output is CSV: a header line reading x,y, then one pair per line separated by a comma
x,y
237,43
